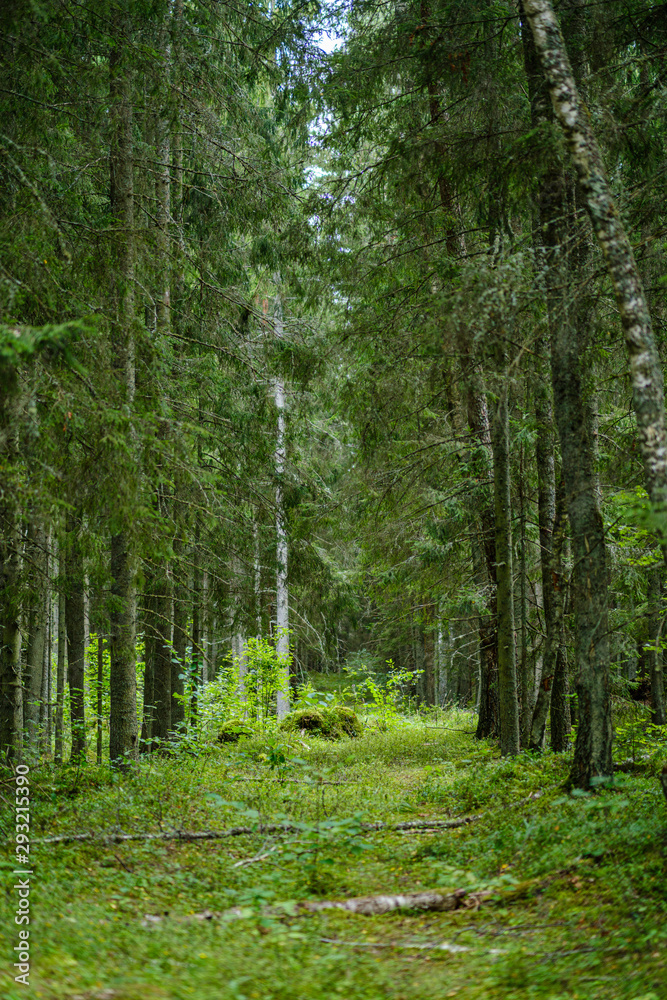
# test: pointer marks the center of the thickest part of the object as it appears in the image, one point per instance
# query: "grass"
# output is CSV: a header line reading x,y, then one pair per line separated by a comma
x,y
579,907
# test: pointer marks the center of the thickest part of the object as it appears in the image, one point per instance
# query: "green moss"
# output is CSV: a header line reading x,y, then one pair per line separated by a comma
x,y
348,720
234,730
331,723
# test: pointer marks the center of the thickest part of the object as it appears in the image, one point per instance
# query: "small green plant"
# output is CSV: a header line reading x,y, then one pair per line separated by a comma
x,y
266,671
388,696
244,690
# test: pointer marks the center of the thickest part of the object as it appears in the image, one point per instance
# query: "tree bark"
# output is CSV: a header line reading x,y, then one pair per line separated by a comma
x,y
37,628
560,698
645,368
11,691
150,630
655,621
123,680
196,659
525,671
75,619
61,670
484,562
179,632
282,587
162,664
99,692
569,342
507,687
548,239
429,663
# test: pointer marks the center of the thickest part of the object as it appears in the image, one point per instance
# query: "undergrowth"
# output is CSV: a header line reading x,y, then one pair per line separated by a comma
x,y
577,910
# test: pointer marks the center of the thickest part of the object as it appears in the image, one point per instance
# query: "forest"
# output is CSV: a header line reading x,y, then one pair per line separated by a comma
x,y
333,499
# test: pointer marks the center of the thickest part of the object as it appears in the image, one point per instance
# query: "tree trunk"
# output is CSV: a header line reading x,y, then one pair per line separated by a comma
x,y
487,722
37,627
99,690
429,663
645,368
123,670
282,591
525,672
560,698
75,619
484,563
11,691
196,660
180,624
45,717
507,689
162,664
150,631
655,623
61,670
548,239
123,679
569,343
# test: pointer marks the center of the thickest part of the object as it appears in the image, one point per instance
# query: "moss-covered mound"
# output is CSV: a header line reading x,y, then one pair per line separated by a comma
x,y
234,730
331,723
349,721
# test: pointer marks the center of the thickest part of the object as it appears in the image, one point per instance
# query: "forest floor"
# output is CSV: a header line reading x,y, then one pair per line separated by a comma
x,y
577,894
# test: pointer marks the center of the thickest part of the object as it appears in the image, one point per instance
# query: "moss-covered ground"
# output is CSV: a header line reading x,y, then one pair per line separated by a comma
x,y
579,883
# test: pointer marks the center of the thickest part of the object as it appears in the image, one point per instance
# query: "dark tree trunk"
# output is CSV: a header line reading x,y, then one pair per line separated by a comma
x,y
178,664
656,629
61,671
507,689
149,667
484,559
487,722
99,692
162,664
196,660
123,680
429,666
75,618
11,691
560,699
123,676
37,627
525,671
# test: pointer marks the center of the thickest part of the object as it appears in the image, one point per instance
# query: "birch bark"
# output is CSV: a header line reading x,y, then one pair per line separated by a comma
x,y
282,590
645,369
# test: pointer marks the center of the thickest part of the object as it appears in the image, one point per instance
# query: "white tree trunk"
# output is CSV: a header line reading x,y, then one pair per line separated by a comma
x,y
282,590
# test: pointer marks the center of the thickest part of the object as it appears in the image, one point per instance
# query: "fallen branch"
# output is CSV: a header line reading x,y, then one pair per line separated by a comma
x,y
453,949
191,836
294,781
243,831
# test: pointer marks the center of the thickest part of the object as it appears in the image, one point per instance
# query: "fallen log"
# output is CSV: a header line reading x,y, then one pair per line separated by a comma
x,y
367,906
370,906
